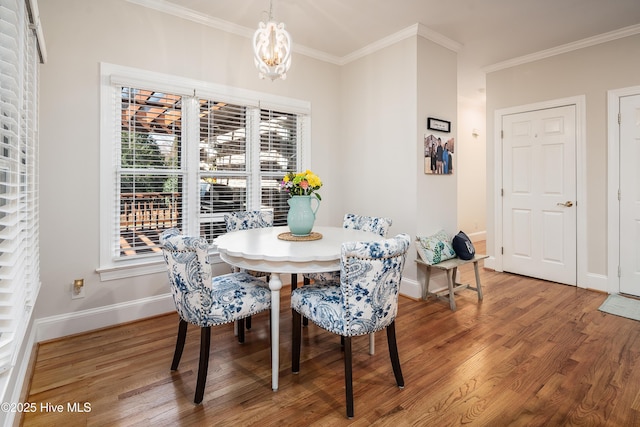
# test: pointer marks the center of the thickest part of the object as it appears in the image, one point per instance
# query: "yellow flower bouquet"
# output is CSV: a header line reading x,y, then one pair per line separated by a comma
x,y
301,184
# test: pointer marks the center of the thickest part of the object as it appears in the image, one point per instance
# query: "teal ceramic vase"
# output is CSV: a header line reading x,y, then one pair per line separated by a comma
x,y
301,215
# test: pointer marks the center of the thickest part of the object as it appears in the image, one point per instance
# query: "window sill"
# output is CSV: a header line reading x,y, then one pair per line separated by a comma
x,y
141,268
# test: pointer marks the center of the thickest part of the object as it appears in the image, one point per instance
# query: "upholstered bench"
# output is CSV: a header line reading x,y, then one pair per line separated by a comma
x,y
450,266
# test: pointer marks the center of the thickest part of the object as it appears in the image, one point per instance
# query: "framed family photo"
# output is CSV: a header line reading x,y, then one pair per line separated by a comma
x,y
438,155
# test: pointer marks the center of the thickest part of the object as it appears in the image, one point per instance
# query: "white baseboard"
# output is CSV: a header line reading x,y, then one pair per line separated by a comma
x,y
597,282
87,320
411,288
490,263
478,236
48,328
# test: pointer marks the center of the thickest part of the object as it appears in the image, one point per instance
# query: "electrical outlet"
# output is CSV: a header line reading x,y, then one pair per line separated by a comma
x,y
77,289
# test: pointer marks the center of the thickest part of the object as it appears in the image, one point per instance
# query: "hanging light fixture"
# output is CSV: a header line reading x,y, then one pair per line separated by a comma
x,y
272,48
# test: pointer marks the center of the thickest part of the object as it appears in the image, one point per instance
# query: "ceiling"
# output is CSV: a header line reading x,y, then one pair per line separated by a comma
x,y
488,31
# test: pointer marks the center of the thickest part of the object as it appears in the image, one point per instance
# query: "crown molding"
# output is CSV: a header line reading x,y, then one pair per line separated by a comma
x,y
220,24
565,48
379,44
317,54
191,15
436,37
413,30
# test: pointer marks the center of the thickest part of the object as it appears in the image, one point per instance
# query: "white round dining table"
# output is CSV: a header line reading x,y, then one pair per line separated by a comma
x,y
260,249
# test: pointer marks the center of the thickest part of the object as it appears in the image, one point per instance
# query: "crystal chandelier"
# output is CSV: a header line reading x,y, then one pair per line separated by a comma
x,y
272,49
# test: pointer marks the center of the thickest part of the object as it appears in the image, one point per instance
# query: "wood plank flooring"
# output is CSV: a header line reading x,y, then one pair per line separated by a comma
x,y
533,353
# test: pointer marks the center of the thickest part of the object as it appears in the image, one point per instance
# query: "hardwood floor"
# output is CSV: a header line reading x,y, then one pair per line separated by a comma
x,y
533,353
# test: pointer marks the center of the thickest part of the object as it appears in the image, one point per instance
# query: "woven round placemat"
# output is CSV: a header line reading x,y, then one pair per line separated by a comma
x,y
292,238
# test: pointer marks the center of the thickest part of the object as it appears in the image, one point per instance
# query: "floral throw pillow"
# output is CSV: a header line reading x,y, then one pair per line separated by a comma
x,y
435,248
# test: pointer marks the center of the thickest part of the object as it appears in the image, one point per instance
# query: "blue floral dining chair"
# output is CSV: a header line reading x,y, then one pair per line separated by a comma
x,y
378,225
363,302
247,220
205,301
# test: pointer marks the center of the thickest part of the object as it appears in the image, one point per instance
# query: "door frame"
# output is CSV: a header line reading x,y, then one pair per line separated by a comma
x,y
613,179
581,196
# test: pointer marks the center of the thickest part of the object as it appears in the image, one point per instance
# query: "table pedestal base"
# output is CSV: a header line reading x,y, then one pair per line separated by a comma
x,y
275,284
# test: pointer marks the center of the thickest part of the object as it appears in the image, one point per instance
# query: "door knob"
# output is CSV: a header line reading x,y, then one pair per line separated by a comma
x,y
567,204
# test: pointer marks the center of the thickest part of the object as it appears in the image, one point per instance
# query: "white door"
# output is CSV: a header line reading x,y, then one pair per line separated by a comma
x,y
539,194
630,195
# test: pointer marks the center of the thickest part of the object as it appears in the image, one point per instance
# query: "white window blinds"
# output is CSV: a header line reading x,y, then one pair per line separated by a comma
x,y
19,214
149,175
183,153
243,160
279,139
224,164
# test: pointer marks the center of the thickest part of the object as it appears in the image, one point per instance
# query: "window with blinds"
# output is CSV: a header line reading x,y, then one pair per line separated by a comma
x,y
236,176
19,214
278,156
224,179
149,175
185,161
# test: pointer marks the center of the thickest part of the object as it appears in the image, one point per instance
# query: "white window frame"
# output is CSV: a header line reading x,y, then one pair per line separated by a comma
x,y
112,78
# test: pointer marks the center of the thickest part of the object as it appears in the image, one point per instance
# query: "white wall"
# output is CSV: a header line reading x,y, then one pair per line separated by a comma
x,y
590,72
80,35
471,168
376,161
436,195
368,121
388,96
